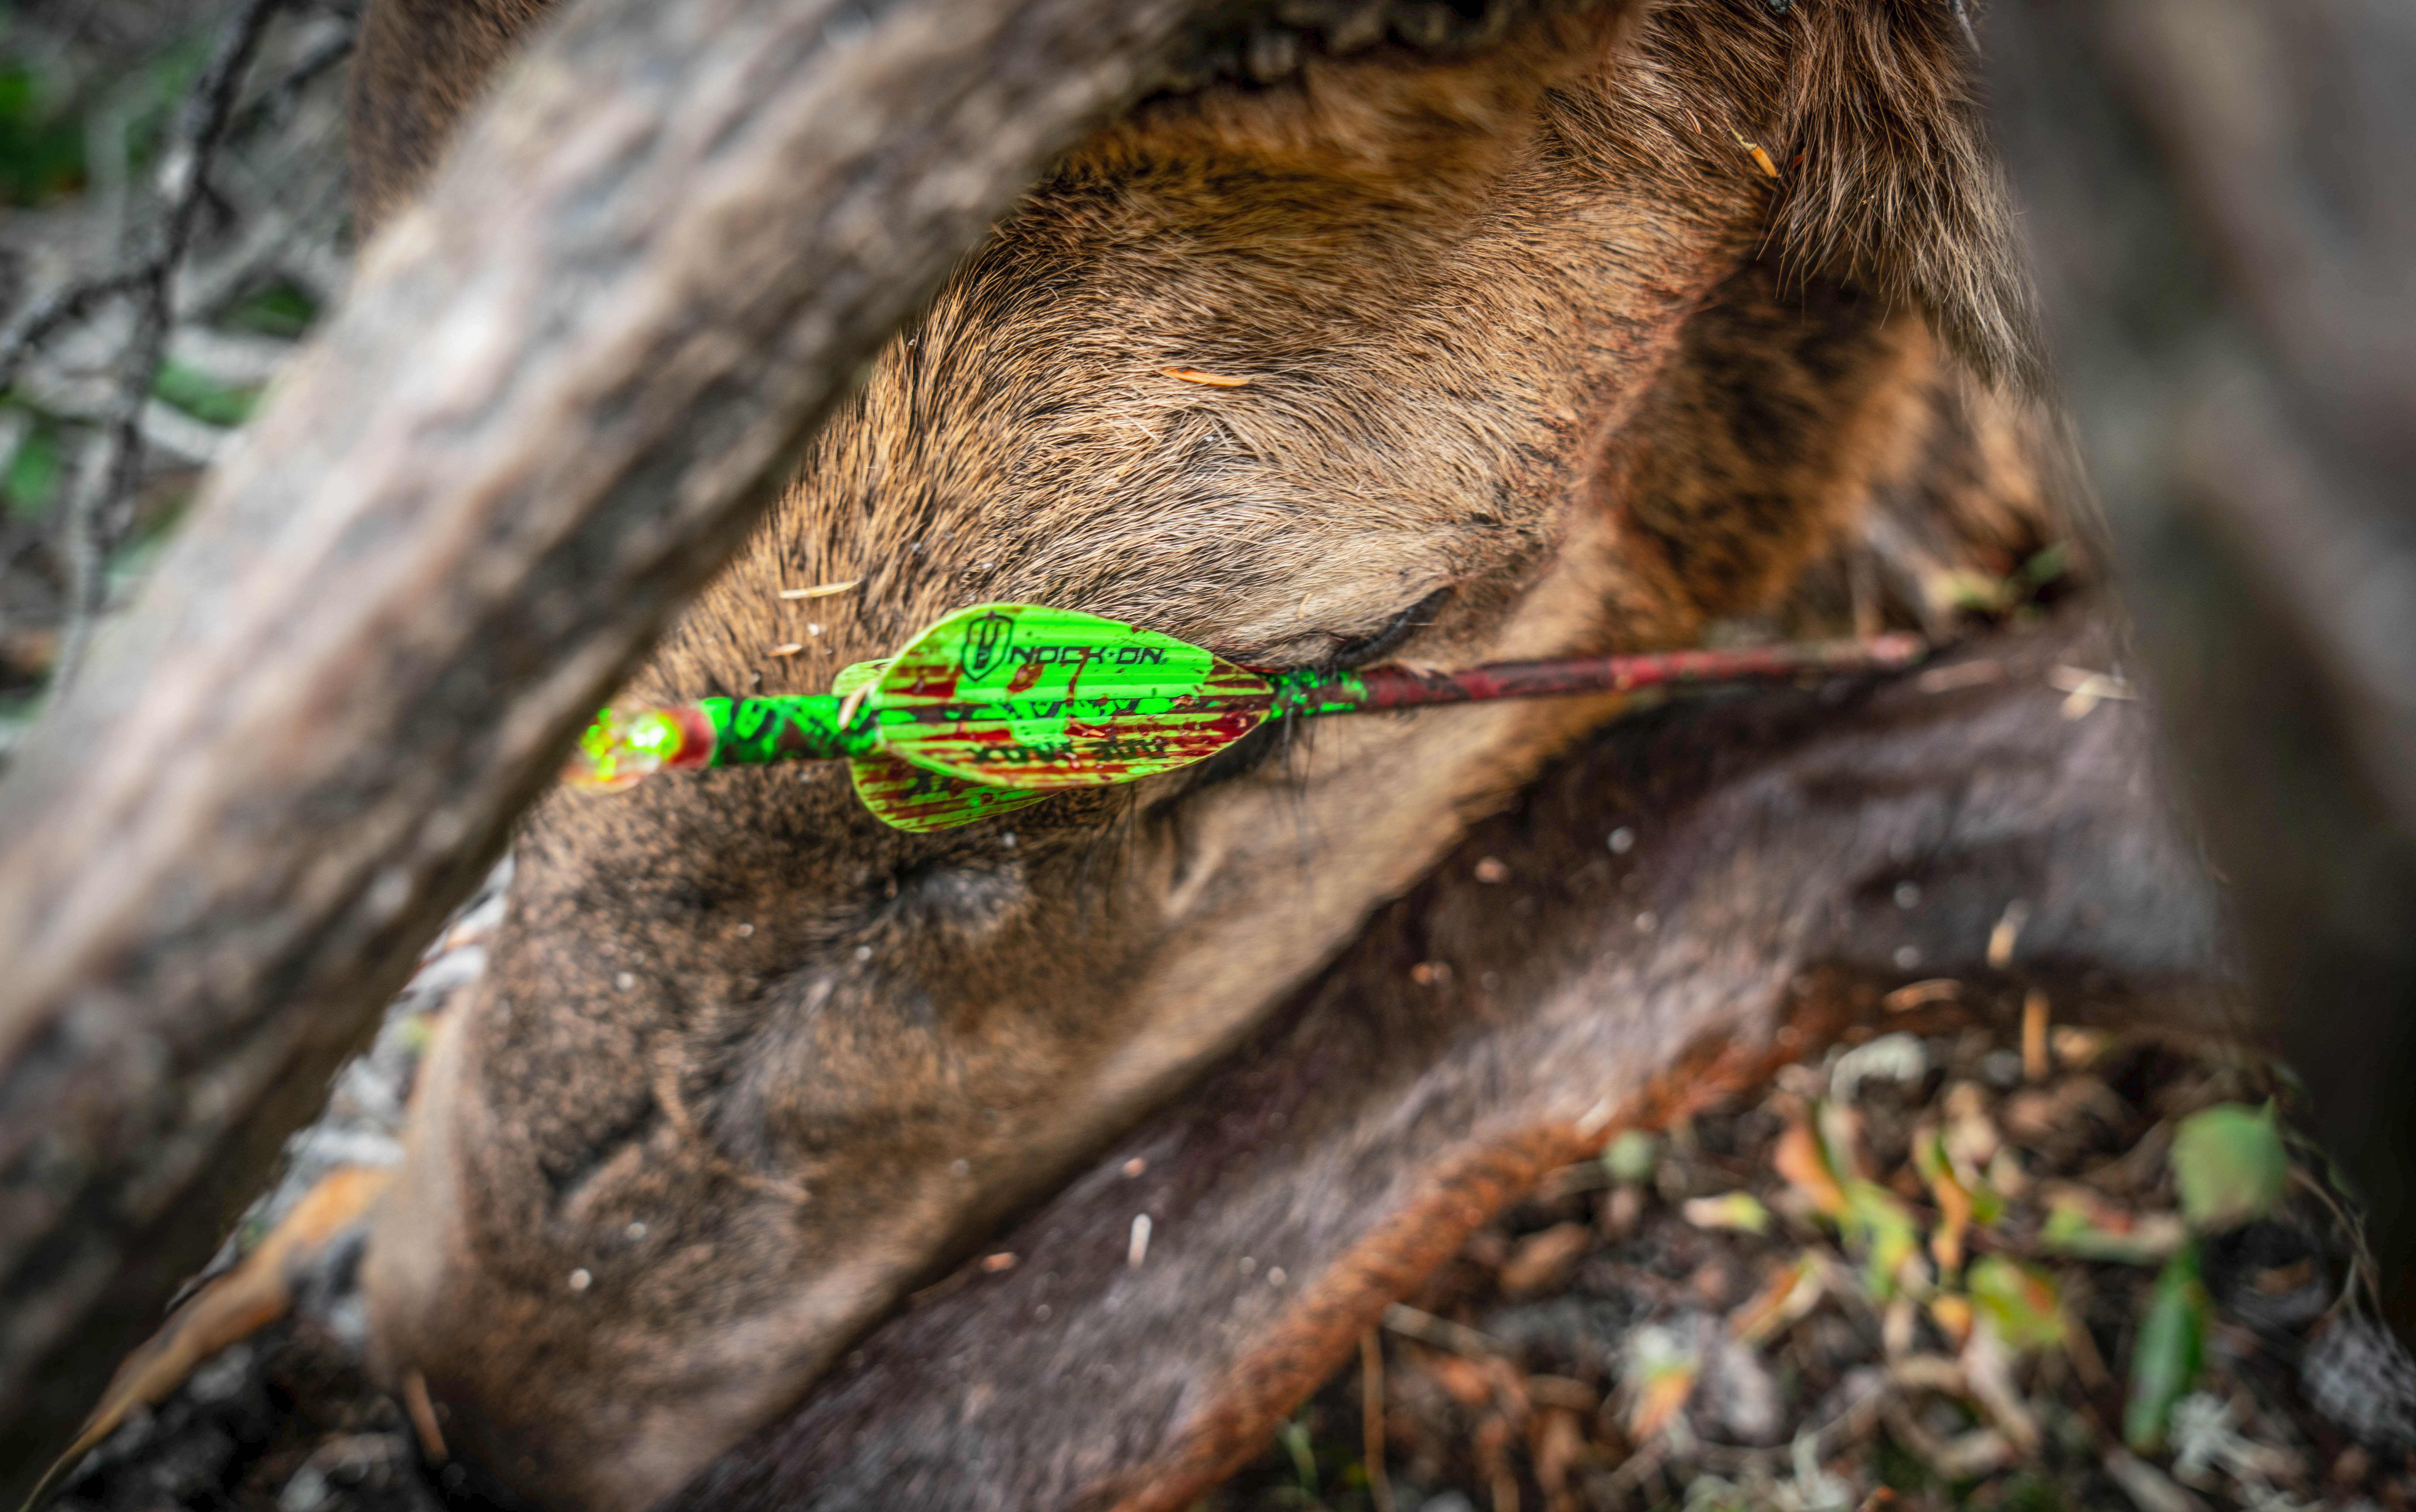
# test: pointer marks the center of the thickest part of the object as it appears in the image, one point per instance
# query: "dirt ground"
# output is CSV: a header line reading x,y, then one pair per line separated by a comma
x,y
1924,1272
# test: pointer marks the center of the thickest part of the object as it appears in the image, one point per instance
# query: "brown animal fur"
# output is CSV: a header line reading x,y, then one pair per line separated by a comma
x,y
1527,326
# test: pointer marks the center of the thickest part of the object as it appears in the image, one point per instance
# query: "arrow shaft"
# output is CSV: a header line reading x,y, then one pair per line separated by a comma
x,y
1397,687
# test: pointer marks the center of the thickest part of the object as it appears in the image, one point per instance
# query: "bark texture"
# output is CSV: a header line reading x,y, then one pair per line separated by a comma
x,y
561,391
2222,227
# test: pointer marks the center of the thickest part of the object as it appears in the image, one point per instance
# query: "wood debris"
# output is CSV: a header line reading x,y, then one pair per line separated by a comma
x,y
819,590
1193,375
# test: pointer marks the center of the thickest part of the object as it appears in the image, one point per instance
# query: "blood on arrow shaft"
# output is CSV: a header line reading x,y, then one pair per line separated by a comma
x,y
1397,687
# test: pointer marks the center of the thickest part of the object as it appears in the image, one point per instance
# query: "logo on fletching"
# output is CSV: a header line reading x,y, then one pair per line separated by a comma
x,y
1091,701
986,642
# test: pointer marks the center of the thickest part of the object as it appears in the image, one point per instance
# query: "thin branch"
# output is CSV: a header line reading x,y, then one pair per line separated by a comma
x,y
56,311
276,101
100,512
76,301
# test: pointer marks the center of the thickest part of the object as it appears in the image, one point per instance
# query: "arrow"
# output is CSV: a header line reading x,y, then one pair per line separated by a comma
x,y
1000,705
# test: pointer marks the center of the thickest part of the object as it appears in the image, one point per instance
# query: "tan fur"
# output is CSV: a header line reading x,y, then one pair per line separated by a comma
x,y
1528,326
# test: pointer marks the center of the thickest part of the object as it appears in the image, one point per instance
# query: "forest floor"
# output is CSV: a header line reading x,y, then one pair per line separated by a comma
x,y
1977,1260
1966,1257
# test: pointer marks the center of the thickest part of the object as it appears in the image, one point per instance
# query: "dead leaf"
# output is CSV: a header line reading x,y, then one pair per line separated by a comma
x,y
1953,1315
1797,1158
1556,1446
1965,1457
2006,934
1542,1258
2150,1489
1954,1200
2081,1223
2035,1066
2078,1048
1988,1369
1659,1376
1922,993
819,590
2020,1302
1563,1391
1790,1295
1971,1139
230,1306
1739,1212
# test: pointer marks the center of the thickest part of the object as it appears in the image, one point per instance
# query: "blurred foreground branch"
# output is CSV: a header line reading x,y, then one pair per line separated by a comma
x,y
2223,222
555,401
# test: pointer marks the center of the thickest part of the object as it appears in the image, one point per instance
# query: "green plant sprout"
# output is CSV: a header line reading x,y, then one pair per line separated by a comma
x,y
998,705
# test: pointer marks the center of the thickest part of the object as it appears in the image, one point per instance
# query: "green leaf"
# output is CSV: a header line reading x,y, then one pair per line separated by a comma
x,y
1633,1157
2172,1345
276,308
1740,1212
1297,1444
41,147
33,474
2073,1228
2230,1164
1880,1229
202,397
2021,1300
2046,566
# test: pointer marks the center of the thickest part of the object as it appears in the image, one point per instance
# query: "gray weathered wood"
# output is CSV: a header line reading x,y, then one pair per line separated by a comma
x,y
554,403
2223,214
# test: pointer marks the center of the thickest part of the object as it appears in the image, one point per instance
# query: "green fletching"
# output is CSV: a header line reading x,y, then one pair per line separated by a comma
x,y
1308,693
1017,695
905,796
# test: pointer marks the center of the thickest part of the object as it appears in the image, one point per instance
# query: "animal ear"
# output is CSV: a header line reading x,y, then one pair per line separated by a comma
x,y
1898,187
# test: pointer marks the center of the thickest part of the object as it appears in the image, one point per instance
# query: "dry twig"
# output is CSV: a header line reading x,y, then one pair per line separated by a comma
x,y
102,505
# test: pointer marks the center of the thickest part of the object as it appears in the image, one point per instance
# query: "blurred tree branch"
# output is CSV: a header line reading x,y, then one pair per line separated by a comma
x,y
470,507
2222,219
